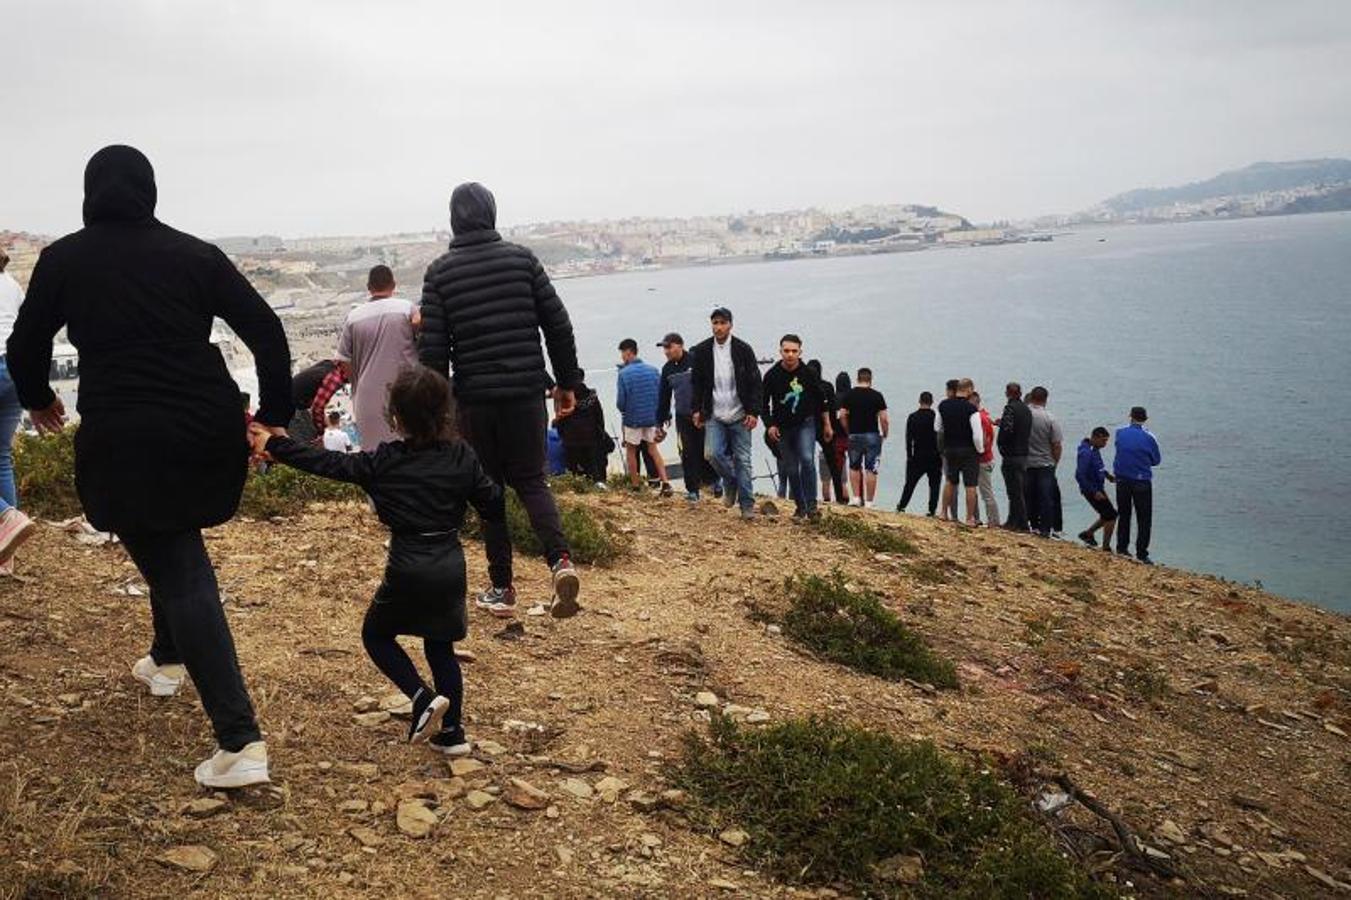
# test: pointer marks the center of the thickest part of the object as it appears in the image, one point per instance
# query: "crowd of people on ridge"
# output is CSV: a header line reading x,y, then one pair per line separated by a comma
x,y
716,397
162,453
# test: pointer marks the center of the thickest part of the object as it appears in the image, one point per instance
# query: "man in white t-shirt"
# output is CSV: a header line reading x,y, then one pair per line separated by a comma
x,y
334,437
379,339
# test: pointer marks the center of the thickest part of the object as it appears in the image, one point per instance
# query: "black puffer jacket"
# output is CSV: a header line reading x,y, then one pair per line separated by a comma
x,y
161,445
484,304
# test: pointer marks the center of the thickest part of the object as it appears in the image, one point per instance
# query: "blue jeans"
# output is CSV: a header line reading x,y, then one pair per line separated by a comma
x,y
731,439
10,413
797,460
1041,483
864,451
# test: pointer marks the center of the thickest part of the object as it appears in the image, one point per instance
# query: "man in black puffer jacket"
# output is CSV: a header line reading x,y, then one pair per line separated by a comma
x,y
484,304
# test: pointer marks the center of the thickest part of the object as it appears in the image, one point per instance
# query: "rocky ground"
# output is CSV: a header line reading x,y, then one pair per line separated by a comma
x,y
1211,717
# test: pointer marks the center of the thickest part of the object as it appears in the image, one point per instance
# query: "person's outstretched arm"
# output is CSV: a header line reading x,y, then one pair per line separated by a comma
x,y
353,468
29,353
258,327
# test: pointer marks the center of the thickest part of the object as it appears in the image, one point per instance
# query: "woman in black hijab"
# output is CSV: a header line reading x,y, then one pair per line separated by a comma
x,y
161,451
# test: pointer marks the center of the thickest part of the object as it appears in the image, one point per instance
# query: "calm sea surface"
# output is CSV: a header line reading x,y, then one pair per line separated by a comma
x,y
1235,334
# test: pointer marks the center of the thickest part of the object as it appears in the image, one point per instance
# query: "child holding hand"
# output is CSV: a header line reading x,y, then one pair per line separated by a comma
x,y
420,486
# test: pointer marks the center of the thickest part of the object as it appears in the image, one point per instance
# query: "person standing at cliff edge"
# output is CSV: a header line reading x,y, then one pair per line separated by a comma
x,y
485,303
728,400
1137,453
378,341
161,452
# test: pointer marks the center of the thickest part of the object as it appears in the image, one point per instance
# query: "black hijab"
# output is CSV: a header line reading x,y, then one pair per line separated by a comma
x,y
119,186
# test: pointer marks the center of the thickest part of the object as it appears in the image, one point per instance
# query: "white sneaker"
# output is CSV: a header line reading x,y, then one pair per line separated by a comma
x,y
234,770
163,681
870,505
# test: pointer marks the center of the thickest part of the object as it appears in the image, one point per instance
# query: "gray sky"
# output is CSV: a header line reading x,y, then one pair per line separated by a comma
x,y
329,116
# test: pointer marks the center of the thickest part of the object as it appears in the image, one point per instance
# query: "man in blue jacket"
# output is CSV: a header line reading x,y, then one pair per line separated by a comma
x,y
639,385
1137,453
1091,474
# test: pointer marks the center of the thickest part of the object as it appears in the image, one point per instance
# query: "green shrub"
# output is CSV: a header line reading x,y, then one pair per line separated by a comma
x,y
858,530
824,802
569,483
284,491
853,628
44,474
590,538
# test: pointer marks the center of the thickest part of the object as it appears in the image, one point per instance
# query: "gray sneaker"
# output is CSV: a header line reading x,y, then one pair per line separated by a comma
x,y
566,588
748,514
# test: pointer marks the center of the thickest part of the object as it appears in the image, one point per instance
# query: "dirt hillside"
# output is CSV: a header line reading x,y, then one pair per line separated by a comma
x,y
1211,717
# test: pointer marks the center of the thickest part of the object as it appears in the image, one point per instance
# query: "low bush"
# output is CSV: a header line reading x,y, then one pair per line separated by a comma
x,y
824,802
44,474
853,628
591,539
858,530
284,491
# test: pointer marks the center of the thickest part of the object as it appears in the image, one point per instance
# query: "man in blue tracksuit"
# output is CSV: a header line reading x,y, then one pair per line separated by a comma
x,y
1091,475
1137,453
639,385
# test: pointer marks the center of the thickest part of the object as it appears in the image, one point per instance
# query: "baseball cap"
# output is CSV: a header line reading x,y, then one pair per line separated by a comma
x,y
721,312
671,338
1138,413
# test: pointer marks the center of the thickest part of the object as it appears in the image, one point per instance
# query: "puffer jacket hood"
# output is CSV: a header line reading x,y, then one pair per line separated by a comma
x,y
119,186
472,208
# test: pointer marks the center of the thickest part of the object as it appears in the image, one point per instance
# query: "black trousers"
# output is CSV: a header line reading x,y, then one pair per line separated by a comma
x,y
915,469
697,470
509,439
1134,497
585,460
391,659
190,628
1014,469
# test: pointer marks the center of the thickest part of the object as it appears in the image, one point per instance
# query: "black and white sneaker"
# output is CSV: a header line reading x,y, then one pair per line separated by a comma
x,y
451,742
428,712
501,602
1088,538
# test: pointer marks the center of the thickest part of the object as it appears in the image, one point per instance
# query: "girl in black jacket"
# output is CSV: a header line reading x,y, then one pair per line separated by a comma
x,y
420,486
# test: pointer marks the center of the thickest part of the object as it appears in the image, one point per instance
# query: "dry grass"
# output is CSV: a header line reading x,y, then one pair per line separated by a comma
x,y
1257,691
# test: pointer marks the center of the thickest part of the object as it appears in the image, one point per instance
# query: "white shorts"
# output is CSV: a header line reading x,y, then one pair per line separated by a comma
x,y
636,436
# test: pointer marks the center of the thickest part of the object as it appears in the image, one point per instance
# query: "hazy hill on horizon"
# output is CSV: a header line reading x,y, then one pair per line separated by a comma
x,y
1253,179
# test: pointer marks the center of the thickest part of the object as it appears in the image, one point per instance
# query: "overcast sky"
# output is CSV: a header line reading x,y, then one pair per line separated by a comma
x,y
334,117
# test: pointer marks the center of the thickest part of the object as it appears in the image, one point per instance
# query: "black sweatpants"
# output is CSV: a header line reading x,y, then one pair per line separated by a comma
x,y
1014,469
697,470
1134,497
393,661
190,628
509,439
915,469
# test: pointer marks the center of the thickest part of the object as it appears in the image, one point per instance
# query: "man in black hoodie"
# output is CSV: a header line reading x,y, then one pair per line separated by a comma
x,y
1015,430
161,452
484,304
922,459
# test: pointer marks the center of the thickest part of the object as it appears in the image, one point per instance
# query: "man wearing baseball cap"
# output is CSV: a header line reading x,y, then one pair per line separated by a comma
x,y
677,384
1137,453
728,398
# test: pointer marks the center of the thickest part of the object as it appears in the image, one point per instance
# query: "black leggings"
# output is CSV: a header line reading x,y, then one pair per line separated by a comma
x,y
391,659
